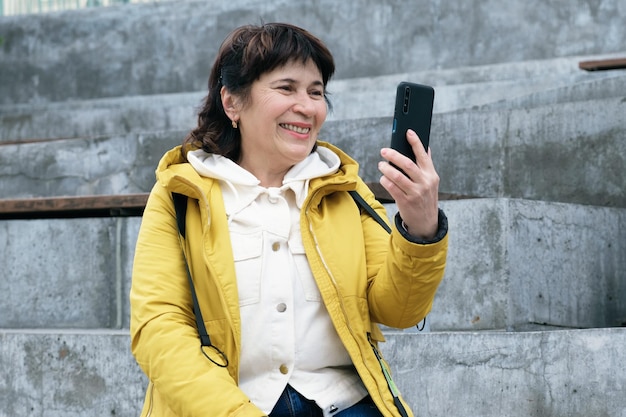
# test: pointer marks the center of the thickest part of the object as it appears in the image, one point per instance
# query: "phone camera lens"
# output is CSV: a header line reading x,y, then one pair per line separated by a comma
x,y
407,96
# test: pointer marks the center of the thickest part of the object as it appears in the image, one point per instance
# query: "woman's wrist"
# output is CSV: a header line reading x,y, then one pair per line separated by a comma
x,y
442,230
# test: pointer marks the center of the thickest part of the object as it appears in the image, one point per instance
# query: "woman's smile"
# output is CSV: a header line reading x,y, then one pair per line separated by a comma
x,y
297,129
280,121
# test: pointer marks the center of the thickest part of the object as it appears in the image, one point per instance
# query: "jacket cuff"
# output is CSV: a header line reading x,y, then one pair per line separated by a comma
x,y
442,230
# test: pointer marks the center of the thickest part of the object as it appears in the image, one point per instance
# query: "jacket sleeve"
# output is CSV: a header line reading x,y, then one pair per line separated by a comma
x,y
403,273
164,339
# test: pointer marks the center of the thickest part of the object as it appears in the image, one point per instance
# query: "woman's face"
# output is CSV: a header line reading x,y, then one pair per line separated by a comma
x,y
280,121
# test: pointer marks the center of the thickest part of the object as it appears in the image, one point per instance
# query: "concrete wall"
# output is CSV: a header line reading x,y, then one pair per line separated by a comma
x,y
508,85
513,264
536,374
487,374
567,152
137,49
519,264
66,273
69,374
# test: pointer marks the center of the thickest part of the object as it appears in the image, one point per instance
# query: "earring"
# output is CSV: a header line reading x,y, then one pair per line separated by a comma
x,y
234,124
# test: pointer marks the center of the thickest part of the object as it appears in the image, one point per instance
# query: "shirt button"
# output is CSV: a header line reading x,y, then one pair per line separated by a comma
x,y
281,307
275,246
283,369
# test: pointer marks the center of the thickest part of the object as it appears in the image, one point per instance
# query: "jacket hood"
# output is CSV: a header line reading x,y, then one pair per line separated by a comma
x,y
177,175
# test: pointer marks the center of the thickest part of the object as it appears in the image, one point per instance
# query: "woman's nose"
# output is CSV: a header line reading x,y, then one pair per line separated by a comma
x,y
305,105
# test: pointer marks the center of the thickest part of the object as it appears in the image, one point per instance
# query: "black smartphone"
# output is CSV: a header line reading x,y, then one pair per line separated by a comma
x,y
413,110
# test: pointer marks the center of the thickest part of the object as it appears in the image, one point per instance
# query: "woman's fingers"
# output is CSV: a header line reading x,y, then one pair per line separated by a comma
x,y
416,193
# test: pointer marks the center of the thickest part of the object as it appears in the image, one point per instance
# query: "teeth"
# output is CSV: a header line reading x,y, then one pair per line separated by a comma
x,y
296,128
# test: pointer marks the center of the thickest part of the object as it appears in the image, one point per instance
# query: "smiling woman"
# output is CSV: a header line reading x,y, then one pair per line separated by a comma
x,y
286,275
280,121
247,55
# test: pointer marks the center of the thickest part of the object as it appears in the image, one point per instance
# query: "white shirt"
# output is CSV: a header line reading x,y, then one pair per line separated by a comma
x,y
287,335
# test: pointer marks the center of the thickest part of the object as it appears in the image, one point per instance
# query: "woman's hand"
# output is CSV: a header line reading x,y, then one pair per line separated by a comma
x,y
417,193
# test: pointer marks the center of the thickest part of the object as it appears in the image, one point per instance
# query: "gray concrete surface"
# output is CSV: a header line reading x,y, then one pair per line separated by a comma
x,y
515,84
99,117
52,373
570,152
489,374
122,164
66,273
585,89
520,264
567,152
168,47
537,374
513,264
503,85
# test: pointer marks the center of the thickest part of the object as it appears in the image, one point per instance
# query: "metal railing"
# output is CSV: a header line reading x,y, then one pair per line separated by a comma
x,y
18,7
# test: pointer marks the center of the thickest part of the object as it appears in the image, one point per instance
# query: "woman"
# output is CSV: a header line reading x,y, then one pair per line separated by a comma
x,y
290,277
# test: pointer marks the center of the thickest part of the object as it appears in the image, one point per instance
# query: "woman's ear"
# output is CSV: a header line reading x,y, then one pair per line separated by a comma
x,y
230,103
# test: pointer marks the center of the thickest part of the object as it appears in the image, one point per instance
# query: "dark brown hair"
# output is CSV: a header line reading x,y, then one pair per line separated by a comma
x,y
247,53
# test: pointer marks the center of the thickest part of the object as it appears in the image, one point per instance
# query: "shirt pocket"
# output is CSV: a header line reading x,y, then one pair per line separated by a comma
x,y
247,251
305,276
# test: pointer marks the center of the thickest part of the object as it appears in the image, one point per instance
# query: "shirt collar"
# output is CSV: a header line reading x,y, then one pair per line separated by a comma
x,y
242,187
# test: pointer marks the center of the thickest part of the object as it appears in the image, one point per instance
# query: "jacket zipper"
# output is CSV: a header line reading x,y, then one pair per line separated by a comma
x,y
390,383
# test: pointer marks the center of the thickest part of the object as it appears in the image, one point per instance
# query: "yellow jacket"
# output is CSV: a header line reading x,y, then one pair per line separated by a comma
x,y
364,276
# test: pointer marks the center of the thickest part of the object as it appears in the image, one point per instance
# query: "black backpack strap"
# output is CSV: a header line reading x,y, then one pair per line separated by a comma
x,y
362,203
180,205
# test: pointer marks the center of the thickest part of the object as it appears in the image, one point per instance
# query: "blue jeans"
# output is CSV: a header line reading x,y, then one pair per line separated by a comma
x,y
292,404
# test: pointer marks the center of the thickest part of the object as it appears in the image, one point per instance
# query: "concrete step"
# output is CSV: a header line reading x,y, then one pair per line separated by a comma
x,y
613,84
355,98
54,373
118,164
99,117
167,47
67,273
505,85
566,152
513,264
489,374
462,374
522,264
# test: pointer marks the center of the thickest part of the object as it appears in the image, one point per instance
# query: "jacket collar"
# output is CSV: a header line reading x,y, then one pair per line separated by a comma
x,y
177,175
242,188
